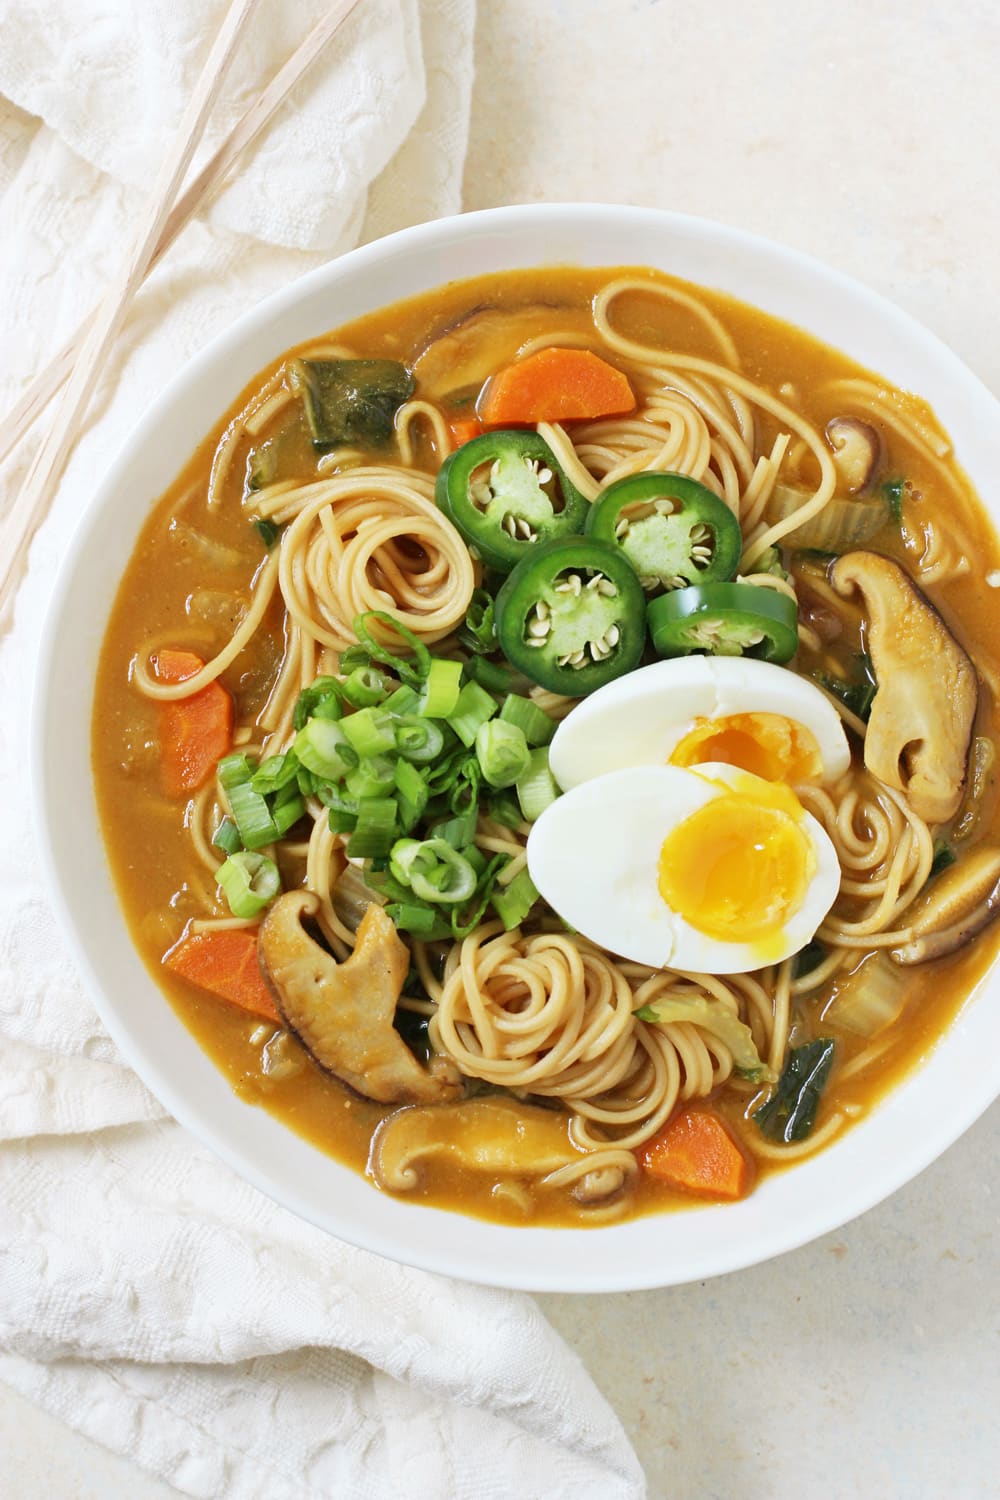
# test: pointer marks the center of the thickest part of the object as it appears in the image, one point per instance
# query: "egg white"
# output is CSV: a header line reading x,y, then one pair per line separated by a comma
x,y
639,719
594,856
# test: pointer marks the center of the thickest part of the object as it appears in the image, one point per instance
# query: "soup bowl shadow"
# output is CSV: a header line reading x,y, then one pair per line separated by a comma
x,y
921,1117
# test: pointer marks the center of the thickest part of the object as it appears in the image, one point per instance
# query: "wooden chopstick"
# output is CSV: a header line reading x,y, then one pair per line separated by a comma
x,y
164,221
22,417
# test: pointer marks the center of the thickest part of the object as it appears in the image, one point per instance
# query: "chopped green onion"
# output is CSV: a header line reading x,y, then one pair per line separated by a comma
x,y
489,674
320,700
403,701
321,747
537,788
365,686
433,870
536,725
370,731
474,707
464,793
234,769
503,807
353,657
458,832
441,689
412,794
267,531
944,856
374,777
287,814
417,739
476,632
251,815
412,675
465,919
502,752
513,902
226,837
423,921
376,828
249,881
342,821
275,773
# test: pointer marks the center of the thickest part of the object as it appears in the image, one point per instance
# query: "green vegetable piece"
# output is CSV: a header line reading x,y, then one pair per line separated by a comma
x,y
433,870
716,1018
809,958
350,400
502,752
226,837
267,531
672,529
249,881
537,789
538,728
506,493
571,616
892,493
790,1113
856,693
944,856
476,633
320,700
725,619
513,902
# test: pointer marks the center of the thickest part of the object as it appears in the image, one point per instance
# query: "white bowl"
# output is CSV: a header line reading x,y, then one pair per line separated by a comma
x,y
918,1119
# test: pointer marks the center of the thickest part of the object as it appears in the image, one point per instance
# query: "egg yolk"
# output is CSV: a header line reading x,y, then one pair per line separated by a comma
x,y
740,866
769,745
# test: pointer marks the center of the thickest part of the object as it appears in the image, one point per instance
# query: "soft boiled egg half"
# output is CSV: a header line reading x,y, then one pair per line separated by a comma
x,y
748,713
713,870
679,839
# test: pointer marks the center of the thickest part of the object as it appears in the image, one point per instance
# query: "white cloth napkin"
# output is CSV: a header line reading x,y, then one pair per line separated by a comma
x,y
148,1296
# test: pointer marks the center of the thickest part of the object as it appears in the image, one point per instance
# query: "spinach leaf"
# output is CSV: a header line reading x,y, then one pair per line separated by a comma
x,y
350,400
790,1113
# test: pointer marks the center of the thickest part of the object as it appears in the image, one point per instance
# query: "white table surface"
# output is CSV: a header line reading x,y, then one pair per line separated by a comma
x,y
865,1365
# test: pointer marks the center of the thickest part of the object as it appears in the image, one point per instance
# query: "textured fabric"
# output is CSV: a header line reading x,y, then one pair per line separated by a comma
x,y
148,1296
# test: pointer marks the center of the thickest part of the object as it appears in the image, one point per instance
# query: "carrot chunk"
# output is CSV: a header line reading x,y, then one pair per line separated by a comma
x,y
464,429
555,385
195,732
695,1152
225,963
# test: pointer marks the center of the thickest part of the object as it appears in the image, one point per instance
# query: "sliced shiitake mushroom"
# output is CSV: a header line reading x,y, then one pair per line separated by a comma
x,y
466,350
492,1136
858,453
343,1013
955,908
923,713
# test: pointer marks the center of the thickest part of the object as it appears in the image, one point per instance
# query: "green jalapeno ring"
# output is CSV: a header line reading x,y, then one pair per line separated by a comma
x,y
509,512
680,534
725,619
571,616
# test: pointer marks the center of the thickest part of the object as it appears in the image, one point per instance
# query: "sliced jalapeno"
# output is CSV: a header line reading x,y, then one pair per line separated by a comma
x,y
571,616
505,492
672,529
725,619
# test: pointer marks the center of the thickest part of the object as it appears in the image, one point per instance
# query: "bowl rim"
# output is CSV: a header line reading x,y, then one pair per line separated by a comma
x,y
551,1258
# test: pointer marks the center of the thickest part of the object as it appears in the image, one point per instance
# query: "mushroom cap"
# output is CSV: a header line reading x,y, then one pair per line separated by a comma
x,y
858,452
955,908
491,1136
343,1013
923,713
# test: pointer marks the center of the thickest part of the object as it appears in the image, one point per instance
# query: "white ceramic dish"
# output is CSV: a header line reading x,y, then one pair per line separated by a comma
x,y
914,1124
